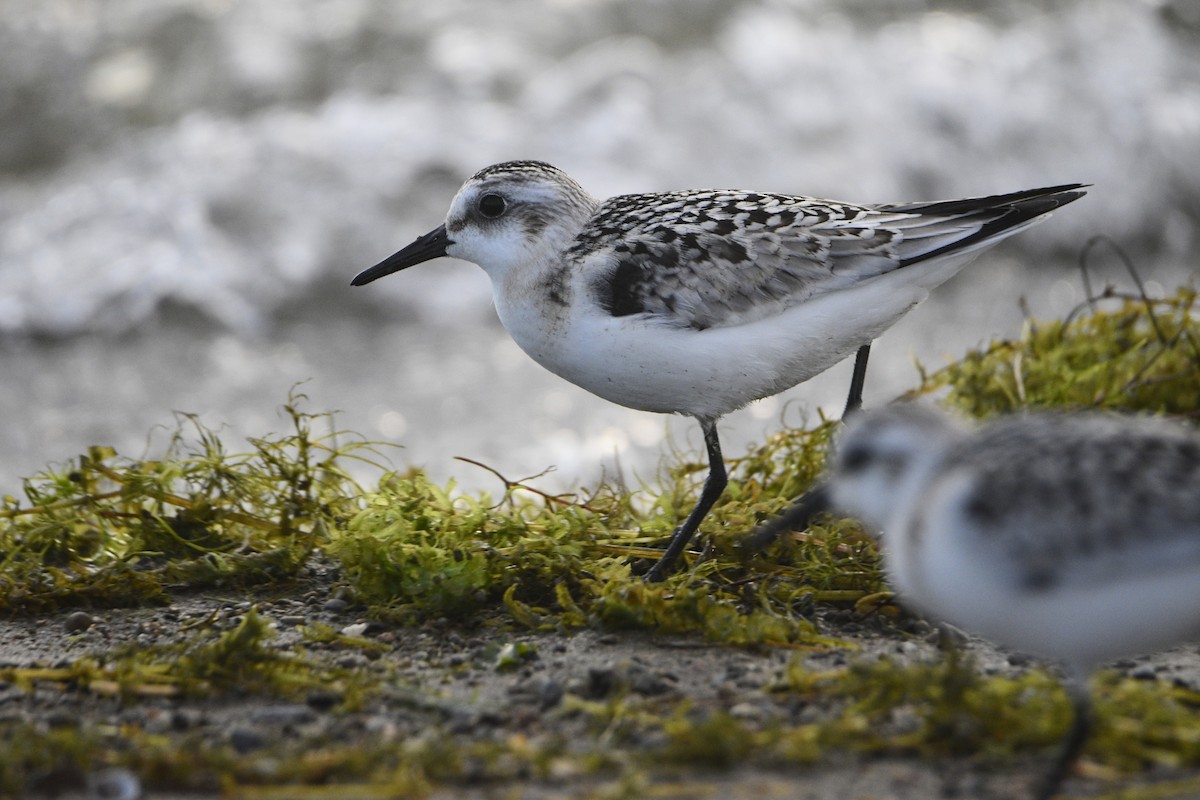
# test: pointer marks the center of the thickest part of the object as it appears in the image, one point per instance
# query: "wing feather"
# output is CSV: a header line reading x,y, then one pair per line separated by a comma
x,y
718,258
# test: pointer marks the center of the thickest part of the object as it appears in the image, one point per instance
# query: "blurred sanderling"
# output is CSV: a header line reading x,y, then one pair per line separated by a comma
x,y
1073,536
699,302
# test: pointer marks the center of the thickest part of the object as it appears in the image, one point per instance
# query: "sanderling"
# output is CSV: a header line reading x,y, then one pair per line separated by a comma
x,y
699,302
1072,536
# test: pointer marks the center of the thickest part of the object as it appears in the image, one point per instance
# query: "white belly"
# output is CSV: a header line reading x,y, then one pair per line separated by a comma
x,y
641,363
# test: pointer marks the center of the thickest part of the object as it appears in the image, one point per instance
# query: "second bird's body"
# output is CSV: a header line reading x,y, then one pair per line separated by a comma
x,y
1072,536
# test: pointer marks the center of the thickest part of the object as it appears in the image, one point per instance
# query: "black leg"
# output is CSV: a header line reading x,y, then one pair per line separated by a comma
x,y
816,500
713,486
798,517
1081,728
854,401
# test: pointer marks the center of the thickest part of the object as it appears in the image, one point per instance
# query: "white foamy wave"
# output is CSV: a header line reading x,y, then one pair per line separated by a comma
x,y
246,162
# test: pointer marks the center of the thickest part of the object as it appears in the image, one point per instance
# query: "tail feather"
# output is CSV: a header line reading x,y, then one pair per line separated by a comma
x,y
943,224
1054,195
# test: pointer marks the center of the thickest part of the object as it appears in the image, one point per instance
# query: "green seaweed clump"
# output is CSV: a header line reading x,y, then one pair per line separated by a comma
x,y
240,659
947,707
420,551
426,551
951,708
1141,355
106,531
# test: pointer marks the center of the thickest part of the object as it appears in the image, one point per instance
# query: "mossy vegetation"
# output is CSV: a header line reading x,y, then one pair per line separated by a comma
x,y
1117,352
549,562
102,531
239,659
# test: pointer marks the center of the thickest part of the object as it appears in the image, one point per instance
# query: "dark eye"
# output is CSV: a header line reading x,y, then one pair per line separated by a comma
x,y
492,205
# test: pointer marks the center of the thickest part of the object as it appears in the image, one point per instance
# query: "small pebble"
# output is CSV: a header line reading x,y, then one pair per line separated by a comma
x,y
322,699
1144,672
551,694
352,661
600,682
78,622
358,629
245,740
946,635
293,620
156,721
494,718
335,605
906,720
113,783
380,727
643,681
61,719
747,712
183,719
288,714
462,722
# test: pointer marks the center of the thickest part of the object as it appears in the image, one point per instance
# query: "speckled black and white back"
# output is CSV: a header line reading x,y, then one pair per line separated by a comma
x,y
1056,490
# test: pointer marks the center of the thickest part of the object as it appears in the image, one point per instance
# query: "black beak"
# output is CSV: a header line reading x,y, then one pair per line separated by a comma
x,y
816,501
431,245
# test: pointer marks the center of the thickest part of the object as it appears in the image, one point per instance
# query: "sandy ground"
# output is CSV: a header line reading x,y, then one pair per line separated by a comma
x,y
442,678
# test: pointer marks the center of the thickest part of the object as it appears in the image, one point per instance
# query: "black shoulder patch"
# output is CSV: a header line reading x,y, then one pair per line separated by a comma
x,y
622,294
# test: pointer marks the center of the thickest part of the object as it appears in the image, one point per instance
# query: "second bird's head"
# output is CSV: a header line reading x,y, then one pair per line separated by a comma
x,y
505,216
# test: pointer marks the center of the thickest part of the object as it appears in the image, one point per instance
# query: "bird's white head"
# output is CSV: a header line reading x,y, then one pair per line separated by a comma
x,y
884,457
505,217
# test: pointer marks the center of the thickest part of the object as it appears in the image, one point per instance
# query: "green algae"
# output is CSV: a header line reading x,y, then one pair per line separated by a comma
x,y
104,531
1115,352
951,708
301,767
209,662
420,551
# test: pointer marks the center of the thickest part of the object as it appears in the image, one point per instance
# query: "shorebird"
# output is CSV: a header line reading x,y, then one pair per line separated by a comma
x,y
699,302
1072,536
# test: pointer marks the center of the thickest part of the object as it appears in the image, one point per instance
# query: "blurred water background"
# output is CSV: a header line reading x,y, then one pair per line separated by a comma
x,y
187,187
